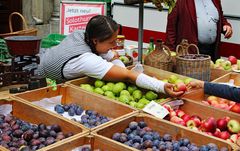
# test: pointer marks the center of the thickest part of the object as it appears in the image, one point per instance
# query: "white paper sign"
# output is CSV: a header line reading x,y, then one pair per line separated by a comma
x,y
156,109
75,15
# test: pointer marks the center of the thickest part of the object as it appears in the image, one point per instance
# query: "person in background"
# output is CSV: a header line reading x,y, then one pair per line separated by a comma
x,y
201,22
86,53
220,90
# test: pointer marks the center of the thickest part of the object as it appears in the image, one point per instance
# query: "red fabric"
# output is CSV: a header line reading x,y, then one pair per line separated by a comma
x,y
182,23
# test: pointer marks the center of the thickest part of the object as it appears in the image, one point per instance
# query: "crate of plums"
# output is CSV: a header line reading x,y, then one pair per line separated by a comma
x,y
213,101
83,109
25,127
230,78
144,132
205,119
89,143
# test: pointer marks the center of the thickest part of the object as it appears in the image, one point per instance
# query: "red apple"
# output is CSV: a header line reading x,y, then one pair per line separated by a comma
x,y
217,132
232,59
175,119
181,123
196,119
172,114
186,117
227,118
180,87
224,135
180,113
168,107
209,125
222,124
235,108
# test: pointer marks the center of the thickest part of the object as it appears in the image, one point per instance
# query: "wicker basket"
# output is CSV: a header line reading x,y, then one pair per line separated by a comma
x,y
160,58
25,32
193,65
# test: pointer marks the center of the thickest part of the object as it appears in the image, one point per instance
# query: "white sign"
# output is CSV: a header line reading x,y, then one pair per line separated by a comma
x,y
156,110
75,15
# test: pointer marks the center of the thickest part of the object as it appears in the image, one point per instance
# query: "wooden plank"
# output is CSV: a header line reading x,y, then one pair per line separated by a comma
x,y
87,100
96,142
162,127
230,76
216,73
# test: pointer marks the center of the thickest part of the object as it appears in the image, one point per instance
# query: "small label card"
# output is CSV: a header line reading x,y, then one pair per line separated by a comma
x,y
156,109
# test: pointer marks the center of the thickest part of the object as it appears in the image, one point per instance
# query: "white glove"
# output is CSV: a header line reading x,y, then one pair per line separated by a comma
x,y
118,62
147,82
138,68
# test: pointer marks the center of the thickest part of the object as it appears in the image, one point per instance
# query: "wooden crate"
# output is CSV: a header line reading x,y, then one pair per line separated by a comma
x,y
86,100
216,73
199,96
30,113
162,127
227,77
95,141
191,107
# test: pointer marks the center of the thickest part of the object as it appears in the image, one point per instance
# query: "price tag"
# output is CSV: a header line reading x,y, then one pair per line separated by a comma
x,y
156,109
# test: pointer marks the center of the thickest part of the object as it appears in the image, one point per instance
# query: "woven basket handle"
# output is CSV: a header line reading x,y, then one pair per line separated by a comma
x,y
195,46
21,16
180,48
167,51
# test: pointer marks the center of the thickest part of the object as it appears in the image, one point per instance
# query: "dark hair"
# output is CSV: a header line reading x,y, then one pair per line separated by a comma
x,y
99,27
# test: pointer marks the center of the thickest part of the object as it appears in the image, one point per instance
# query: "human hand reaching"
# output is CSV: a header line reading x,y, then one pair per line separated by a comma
x,y
169,89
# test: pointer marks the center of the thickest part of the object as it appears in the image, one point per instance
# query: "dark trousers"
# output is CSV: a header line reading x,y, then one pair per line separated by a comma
x,y
208,49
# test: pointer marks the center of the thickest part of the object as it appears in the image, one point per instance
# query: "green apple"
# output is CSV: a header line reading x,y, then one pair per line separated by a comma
x,y
139,105
87,87
137,94
99,91
109,94
132,103
131,88
106,88
179,81
150,95
165,80
98,83
124,92
172,79
124,99
124,59
227,65
233,126
144,101
219,61
160,100
117,88
173,53
187,80
110,84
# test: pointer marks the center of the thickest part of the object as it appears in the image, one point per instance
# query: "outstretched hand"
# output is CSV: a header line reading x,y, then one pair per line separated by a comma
x,y
195,84
169,89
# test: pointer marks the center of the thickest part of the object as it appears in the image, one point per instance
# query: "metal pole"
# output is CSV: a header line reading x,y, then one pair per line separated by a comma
x,y
140,31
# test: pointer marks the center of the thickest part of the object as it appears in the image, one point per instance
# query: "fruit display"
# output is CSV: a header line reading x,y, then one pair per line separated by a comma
x,y
224,128
88,118
138,135
128,94
222,104
229,64
16,133
180,84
